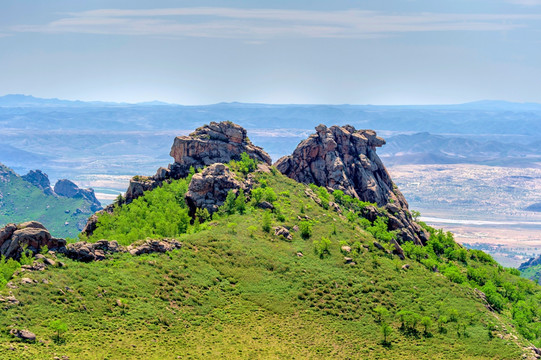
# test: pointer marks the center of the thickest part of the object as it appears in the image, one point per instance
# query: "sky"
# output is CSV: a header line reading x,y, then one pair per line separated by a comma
x,y
295,51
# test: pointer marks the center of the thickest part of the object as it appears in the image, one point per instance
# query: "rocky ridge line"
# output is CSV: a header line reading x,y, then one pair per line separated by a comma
x,y
33,237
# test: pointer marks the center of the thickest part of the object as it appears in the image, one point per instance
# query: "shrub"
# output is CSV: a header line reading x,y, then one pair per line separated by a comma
x,y
453,273
257,195
240,202
379,229
266,221
59,327
386,331
305,228
202,214
381,313
426,322
322,247
270,195
245,165
230,205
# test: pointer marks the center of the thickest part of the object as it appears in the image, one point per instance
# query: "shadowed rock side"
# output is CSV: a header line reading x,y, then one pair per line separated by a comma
x,y
209,188
40,180
67,188
343,158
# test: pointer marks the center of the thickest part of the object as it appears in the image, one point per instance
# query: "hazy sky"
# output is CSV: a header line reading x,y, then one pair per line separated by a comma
x,y
201,52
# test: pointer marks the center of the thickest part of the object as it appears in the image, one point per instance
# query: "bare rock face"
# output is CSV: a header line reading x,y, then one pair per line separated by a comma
x,y
343,158
40,180
209,188
213,143
13,238
67,188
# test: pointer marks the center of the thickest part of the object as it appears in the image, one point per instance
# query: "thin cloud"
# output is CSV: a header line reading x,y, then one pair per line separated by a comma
x,y
260,24
525,2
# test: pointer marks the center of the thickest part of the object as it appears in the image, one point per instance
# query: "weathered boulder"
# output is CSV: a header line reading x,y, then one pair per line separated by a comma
x,y
343,158
23,334
397,249
265,205
212,143
67,188
40,180
87,252
154,246
282,231
209,188
31,234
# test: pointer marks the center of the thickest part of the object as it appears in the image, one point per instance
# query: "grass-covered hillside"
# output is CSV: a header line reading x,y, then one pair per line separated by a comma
x,y
235,290
532,272
21,201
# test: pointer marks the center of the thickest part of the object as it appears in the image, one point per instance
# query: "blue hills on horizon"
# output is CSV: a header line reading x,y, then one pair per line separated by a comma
x,y
20,100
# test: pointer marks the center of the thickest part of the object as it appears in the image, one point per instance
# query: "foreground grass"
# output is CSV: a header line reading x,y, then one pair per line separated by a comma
x,y
236,291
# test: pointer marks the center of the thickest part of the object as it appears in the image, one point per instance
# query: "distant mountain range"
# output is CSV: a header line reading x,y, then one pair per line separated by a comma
x,y
20,100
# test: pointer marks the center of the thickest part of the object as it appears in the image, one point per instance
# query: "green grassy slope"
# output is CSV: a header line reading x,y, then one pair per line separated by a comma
x,y
532,273
237,291
21,201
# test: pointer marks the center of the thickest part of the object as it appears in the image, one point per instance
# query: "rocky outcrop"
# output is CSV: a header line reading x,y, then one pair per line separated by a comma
x,y
343,158
23,334
212,143
40,180
67,188
209,188
207,145
87,252
154,246
31,234
531,262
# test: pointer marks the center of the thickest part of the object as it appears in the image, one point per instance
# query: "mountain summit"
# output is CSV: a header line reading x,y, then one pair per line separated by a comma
x,y
345,159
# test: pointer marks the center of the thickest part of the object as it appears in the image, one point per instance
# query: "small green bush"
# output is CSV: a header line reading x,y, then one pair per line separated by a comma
x,y
305,228
322,247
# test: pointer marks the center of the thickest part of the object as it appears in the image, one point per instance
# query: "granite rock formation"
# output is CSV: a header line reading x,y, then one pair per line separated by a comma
x,y
343,158
209,188
213,143
13,238
40,180
67,188
207,145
